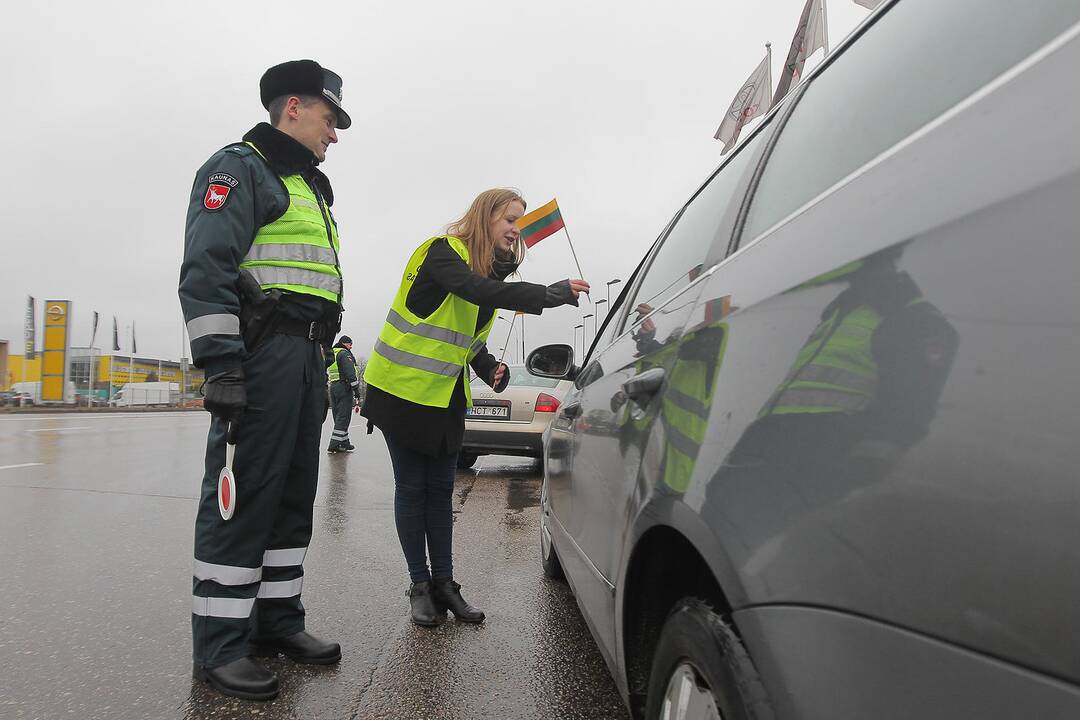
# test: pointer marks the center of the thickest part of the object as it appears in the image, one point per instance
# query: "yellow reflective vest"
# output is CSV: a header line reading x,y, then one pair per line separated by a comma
x,y
298,252
418,358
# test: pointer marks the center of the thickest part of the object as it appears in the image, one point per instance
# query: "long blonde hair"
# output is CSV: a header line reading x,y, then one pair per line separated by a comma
x,y
474,227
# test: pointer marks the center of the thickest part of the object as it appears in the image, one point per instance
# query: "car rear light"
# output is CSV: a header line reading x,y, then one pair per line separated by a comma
x,y
546,403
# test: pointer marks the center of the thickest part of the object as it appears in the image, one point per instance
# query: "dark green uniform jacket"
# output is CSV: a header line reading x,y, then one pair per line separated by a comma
x,y
235,193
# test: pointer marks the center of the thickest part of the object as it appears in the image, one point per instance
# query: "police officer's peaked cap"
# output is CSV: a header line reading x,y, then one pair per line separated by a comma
x,y
345,339
304,77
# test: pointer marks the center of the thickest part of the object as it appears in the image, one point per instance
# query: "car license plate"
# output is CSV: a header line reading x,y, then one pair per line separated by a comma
x,y
488,412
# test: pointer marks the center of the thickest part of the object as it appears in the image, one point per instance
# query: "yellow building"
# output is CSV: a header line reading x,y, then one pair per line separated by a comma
x,y
108,369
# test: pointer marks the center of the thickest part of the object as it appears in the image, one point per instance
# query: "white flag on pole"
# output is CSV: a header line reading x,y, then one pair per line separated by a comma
x,y
871,4
811,34
754,98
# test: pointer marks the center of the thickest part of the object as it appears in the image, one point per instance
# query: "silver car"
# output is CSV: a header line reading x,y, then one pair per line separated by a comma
x,y
821,461
512,422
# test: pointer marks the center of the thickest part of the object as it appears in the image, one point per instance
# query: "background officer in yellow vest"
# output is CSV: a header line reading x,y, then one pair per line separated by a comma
x,y
260,288
345,393
417,382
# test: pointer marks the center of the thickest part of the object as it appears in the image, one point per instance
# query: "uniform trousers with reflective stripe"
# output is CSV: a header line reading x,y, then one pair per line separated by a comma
x,y
341,399
249,569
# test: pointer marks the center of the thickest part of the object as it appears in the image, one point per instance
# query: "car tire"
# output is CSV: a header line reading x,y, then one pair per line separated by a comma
x,y
701,670
549,557
466,460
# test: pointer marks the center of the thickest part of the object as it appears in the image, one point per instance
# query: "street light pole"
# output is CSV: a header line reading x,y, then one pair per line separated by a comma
x,y
609,284
585,331
598,303
576,327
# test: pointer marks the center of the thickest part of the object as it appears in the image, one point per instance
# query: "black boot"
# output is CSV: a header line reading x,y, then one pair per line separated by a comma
x,y
424,611
243,678
448,595
301,647
348,447
335,447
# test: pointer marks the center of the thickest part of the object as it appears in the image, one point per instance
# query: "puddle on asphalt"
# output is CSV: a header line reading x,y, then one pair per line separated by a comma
x,y
521,494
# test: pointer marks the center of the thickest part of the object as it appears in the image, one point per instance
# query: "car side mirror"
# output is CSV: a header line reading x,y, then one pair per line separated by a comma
x,y
552,361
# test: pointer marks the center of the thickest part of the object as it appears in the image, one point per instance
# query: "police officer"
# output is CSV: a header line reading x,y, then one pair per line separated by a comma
x,y
260,288
345,394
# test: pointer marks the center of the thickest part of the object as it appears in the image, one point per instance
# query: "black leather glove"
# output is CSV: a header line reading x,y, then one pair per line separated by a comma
x,y
224,394
558,294
503,382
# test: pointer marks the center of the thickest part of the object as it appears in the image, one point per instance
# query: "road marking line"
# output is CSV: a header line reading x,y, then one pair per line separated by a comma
x,y
76,427
11,467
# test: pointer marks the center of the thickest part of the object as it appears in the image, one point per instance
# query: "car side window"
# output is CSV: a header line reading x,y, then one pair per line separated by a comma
x,y
919,59
679,258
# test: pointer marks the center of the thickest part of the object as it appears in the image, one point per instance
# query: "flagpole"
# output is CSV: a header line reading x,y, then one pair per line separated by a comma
x,y
90,377
768,53
131,365
825,26
506,343
568,240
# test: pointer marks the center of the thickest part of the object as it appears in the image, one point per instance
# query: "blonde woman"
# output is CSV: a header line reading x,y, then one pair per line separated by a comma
x,y
417,387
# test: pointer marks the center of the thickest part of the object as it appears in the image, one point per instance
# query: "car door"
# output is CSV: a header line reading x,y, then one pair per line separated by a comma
x,y
603,427
923,477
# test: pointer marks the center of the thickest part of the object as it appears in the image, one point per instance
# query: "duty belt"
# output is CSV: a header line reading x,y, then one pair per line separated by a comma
x,y
317,331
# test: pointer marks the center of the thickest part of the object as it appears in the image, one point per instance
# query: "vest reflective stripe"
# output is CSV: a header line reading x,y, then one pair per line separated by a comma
x,y
226,574
333,373
687,403
237,608
291,251
429,331
835,371
419,362
479,343
297,251
281,589
286,557
217,324
271,276
838,376
819,401
418,358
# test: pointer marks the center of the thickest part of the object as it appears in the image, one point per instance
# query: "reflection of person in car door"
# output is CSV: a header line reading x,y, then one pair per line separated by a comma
x,y
861,391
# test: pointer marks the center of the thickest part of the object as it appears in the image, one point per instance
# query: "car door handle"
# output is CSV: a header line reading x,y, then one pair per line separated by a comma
x,y
571,410
643,386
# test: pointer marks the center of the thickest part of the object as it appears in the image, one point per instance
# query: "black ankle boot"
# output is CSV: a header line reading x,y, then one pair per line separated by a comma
x,y
447,594
424,610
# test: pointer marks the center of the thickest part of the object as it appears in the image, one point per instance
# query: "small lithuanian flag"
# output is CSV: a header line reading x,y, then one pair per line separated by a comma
x,y
540,223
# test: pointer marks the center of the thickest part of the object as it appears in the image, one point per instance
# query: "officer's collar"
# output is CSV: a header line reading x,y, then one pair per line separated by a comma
x,y
288,156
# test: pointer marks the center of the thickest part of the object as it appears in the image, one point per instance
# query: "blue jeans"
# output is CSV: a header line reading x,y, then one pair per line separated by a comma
x,y
423,494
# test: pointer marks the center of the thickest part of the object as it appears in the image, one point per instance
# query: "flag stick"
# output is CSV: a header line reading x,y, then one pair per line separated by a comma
x,y
825,26
506,343
571,243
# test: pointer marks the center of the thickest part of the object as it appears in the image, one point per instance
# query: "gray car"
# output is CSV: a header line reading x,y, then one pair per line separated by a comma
x,y
821,461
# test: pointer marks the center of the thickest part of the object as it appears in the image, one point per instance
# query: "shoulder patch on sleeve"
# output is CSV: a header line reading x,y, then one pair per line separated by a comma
x,y
219,185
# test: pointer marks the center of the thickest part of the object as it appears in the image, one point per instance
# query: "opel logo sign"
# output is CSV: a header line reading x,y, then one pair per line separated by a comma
x,y
55,311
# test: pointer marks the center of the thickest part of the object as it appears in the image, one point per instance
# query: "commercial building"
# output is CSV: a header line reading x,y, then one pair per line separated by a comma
x,y
110,372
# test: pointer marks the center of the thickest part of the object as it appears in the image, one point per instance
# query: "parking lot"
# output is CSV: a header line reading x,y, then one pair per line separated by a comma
x,y
96,522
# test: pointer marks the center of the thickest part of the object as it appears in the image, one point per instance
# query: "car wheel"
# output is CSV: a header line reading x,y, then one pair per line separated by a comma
x,y
466,460
549,559
702,671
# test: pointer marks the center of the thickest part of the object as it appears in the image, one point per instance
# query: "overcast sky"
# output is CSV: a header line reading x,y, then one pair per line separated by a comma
x,y
608,106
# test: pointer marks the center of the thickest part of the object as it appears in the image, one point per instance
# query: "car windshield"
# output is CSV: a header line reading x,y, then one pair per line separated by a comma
x,y
520,376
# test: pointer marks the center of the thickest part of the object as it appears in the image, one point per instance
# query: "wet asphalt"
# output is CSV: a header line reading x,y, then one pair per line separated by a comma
x,y
96,523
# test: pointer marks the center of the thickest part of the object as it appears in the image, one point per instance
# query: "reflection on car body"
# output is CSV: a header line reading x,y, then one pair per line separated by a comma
x,y
820,460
